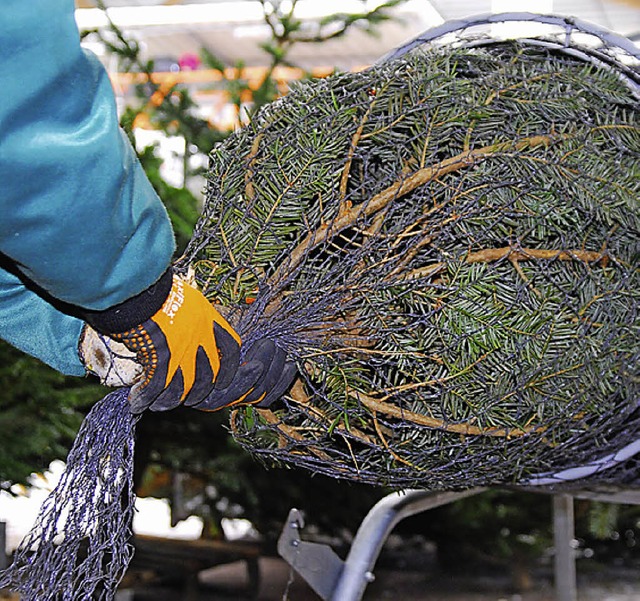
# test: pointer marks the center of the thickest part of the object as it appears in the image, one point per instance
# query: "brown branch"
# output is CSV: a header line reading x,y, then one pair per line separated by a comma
x,y
489,255
352,149
250,191
422,272
523,276
290,432
384,442
299,395
464,428
284,432
404,186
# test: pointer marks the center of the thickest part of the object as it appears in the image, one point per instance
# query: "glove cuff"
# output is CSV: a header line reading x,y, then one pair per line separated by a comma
x,y
133,311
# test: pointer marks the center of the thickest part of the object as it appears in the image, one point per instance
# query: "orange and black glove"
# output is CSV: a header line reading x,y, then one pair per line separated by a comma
x,y
185,353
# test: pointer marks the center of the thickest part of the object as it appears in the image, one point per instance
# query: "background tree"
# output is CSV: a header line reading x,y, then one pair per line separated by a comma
x,y
40,413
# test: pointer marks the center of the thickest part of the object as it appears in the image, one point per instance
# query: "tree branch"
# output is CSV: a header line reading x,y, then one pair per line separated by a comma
x,y
400,188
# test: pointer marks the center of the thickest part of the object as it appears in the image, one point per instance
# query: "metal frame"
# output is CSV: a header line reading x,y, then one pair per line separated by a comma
x,y
4,560
335,580
568,24
564,563
626,63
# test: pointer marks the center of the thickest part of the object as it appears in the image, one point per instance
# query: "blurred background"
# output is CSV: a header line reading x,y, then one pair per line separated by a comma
x,y
233,30
174,35
185,74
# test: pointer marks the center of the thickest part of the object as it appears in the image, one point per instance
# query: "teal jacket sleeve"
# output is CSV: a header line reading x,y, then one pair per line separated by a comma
x,y
78,215
35,326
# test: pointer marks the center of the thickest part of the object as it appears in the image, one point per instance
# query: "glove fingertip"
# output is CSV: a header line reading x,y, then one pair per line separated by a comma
x,y
171,396
137,400
262,350
289,372
229,351
246,377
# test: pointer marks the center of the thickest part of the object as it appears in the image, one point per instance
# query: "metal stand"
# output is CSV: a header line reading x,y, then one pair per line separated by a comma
x,y
4,561
563,534
564,558
335,580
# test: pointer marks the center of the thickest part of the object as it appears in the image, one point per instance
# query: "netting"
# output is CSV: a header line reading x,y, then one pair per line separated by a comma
x,y
447,243
80,545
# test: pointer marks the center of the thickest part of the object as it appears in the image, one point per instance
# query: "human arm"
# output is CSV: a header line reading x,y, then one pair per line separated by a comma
x,y
36,327
79,216
82,223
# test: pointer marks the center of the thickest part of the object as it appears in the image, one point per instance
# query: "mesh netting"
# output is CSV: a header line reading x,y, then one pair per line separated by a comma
x,y
80,545
447,244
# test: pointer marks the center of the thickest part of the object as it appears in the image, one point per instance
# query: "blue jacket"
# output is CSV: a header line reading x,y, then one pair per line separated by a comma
x,y
79,221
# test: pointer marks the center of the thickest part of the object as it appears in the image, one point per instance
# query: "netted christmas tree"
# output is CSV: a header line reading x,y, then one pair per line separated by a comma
x,y
447,244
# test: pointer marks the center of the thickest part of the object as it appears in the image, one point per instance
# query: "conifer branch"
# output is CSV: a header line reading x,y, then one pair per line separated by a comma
x,y
464,428
404,186
489,255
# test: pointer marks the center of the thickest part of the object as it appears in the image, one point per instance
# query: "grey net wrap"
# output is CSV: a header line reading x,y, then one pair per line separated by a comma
x,y
447,244
79,547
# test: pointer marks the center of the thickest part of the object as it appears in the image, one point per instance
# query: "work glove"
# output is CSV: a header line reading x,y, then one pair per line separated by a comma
x,y
185,353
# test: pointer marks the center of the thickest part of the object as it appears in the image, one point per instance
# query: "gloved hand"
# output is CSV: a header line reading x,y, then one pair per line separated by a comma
x,y
276,375
186,353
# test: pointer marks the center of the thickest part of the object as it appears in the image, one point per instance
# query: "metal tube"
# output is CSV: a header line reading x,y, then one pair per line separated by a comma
x,y
564,560
357,572
4,560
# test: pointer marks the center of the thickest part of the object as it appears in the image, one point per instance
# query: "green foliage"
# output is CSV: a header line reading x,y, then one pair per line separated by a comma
x,y
445,244
602,520
40,413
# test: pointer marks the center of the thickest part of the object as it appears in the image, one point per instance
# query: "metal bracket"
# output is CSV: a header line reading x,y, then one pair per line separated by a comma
x,y
318,564
336,580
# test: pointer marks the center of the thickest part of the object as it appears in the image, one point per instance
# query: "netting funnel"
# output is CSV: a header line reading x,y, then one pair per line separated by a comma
x,y
79,547
447,244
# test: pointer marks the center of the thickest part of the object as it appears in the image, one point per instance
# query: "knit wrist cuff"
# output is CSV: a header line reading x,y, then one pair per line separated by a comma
x,y
133,311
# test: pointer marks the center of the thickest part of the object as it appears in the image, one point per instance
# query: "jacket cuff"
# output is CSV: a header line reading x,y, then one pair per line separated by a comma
x,y
133,311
